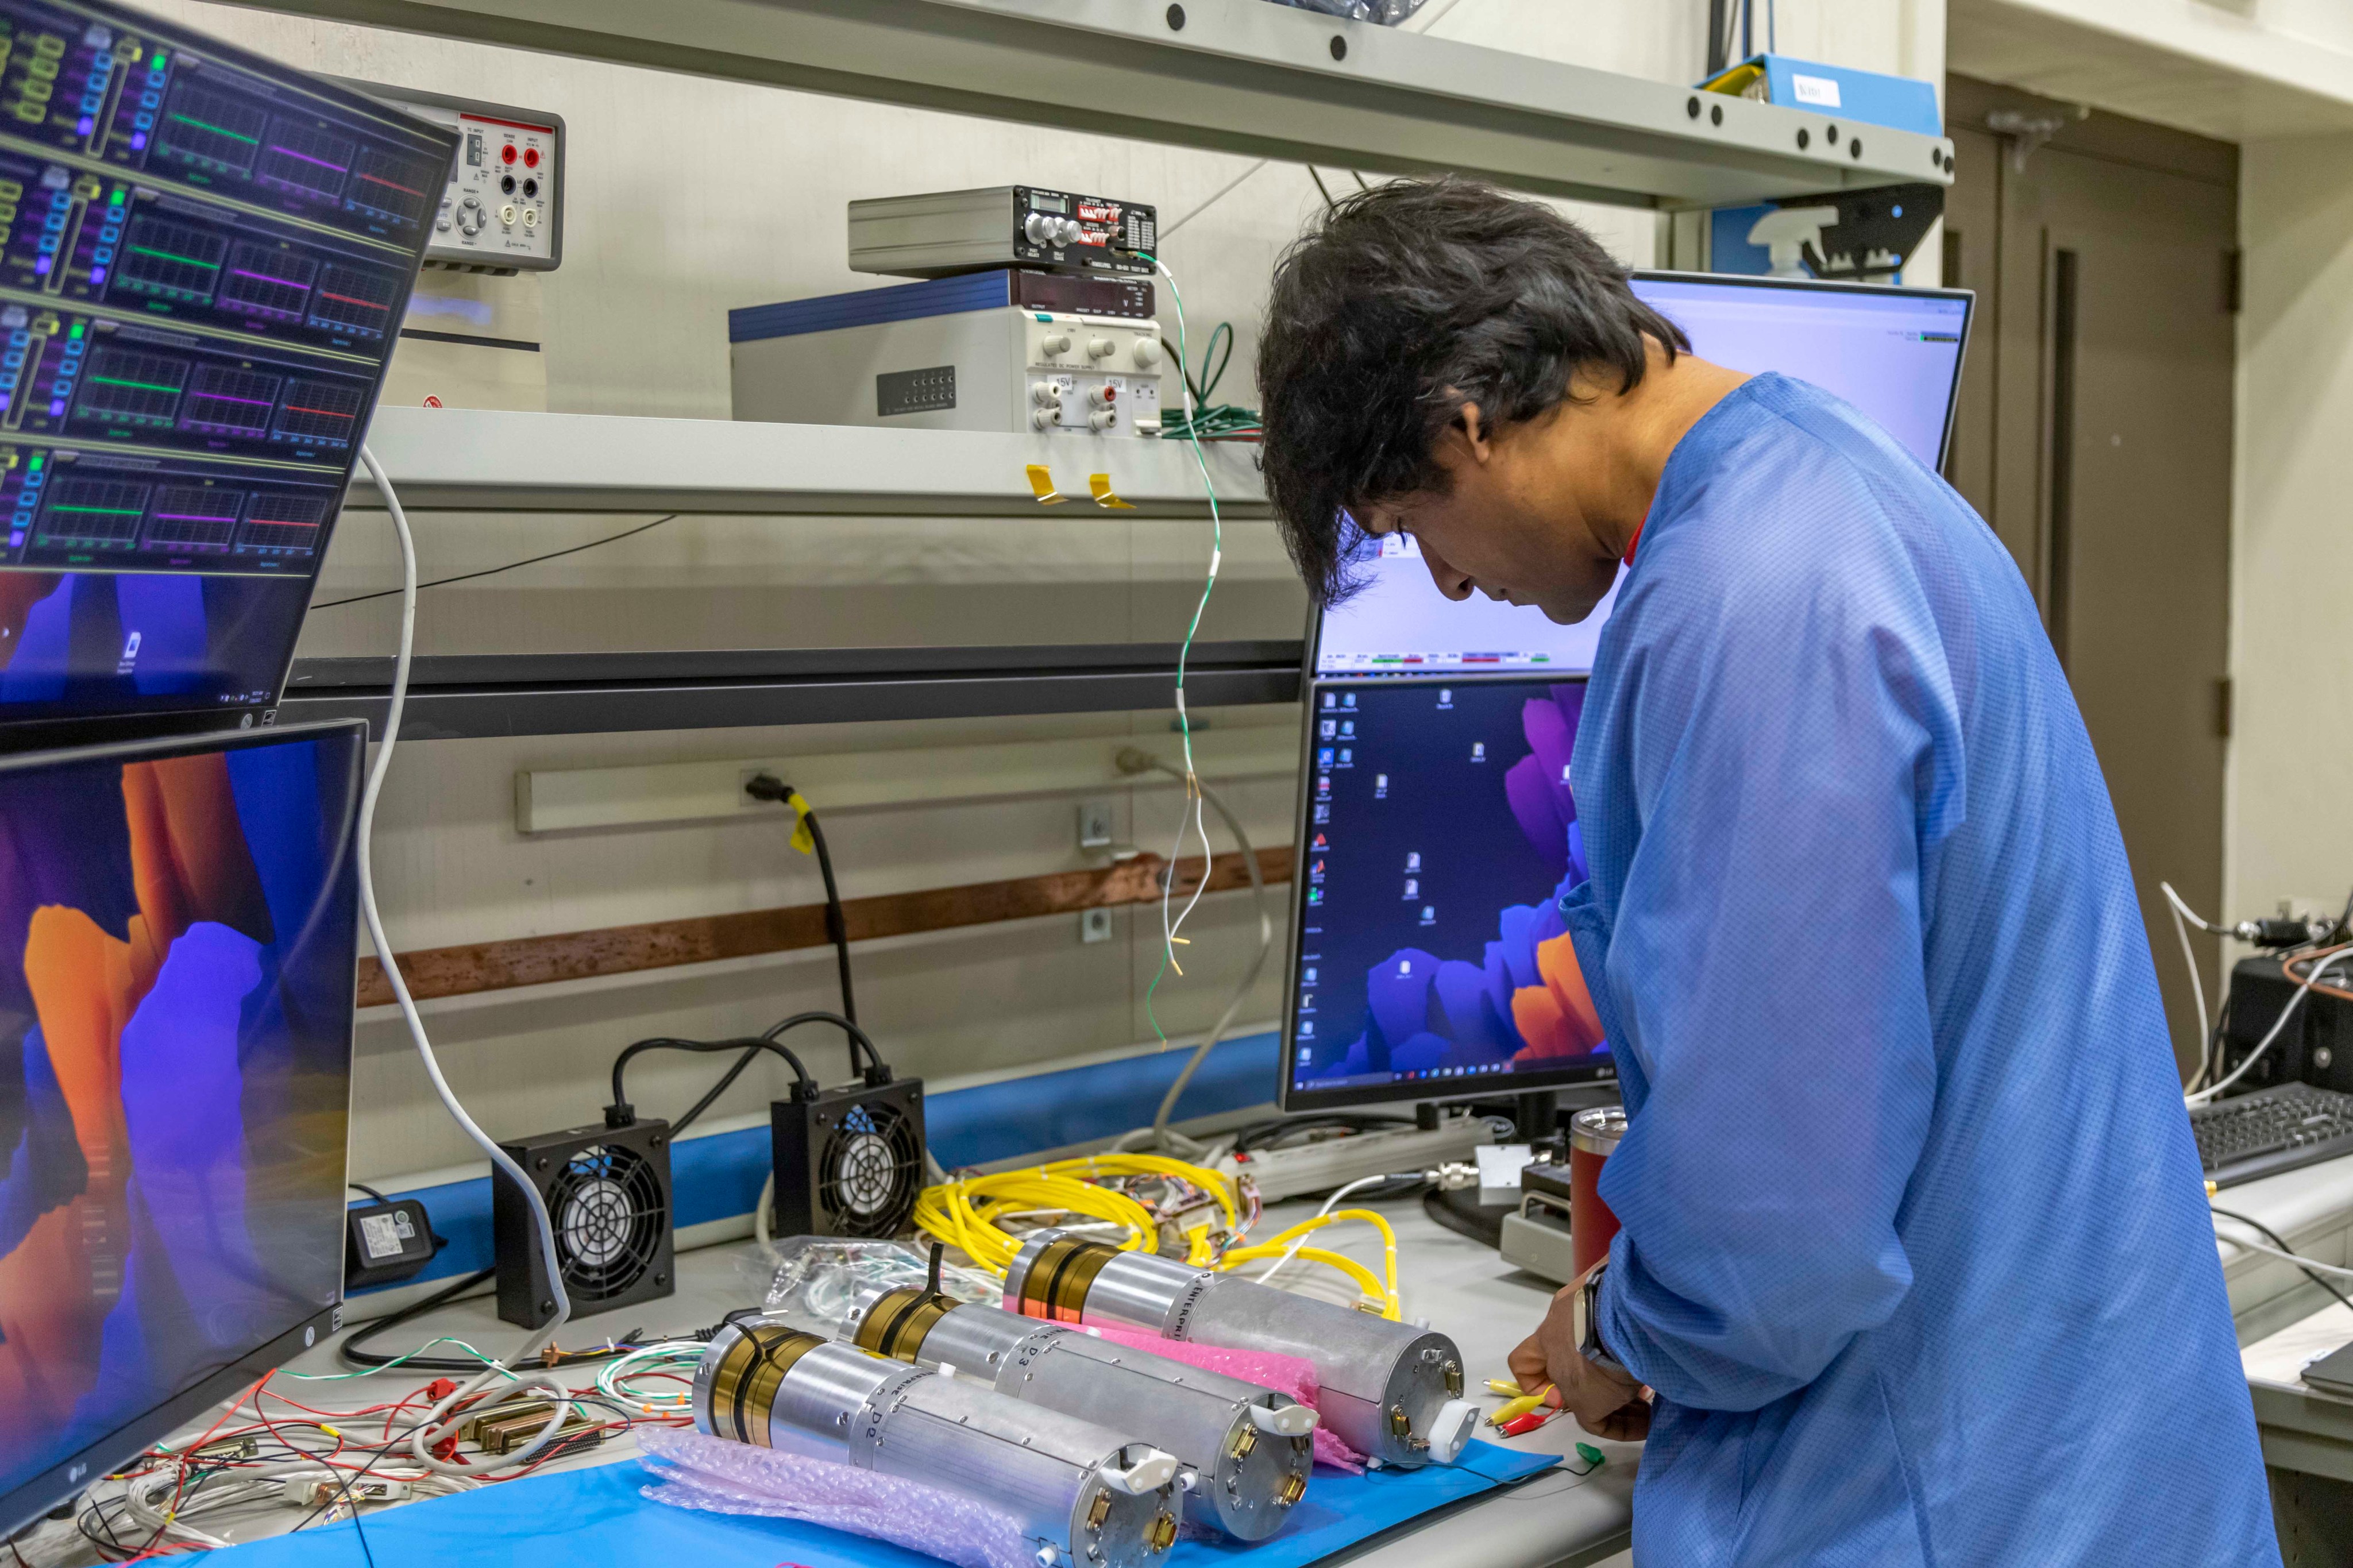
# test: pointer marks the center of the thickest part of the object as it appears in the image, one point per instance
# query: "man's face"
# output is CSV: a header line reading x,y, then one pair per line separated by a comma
x,y
1511,523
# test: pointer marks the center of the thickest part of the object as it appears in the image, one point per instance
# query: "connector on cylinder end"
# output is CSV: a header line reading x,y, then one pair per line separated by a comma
x,y
1147,1470
1284,1420
1450,1433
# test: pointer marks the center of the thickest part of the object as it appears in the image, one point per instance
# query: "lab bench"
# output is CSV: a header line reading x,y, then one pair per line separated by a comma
x,y
2285,1321
1556,1519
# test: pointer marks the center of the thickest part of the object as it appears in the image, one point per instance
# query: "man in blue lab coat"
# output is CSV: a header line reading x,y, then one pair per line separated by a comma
x,y
1915,1266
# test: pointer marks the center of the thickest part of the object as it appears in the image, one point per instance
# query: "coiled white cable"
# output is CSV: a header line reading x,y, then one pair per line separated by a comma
x,y
429,1432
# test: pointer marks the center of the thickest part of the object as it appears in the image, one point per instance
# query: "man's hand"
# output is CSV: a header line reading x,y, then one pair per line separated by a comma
x,y
1606,1404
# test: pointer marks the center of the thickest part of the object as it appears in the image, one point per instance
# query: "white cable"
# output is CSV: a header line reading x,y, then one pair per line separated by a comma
x,y
2185,912
2196,985
2303,985
1329,1205
2291,1257
1168,928
428,1433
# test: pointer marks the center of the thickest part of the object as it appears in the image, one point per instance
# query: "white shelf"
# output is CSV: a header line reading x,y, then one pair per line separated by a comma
x,y
1238,76
477,460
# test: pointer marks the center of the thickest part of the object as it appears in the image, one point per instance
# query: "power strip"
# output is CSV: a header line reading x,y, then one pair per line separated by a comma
x,y
1329,1162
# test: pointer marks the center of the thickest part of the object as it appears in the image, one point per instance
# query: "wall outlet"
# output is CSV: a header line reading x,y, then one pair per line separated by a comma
x,y
1095,925
1095,825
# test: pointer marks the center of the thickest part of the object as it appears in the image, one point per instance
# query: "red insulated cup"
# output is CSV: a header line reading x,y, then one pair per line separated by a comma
x,y
1592,1137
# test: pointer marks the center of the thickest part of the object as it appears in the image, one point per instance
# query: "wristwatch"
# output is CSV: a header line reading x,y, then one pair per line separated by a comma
x,y
1585,1319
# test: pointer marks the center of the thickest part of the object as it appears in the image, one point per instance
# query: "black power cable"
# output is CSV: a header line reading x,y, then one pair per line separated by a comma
x,y
494,571
767,786
621,1114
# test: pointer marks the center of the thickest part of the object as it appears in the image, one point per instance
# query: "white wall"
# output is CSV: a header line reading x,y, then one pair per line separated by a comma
x,y
661,241
2289,836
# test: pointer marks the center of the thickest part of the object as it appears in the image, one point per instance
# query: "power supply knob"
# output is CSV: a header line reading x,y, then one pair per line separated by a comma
x,y
1069,231
1147,354
1101,348
1101,419
1039,228
1043,418
1054,343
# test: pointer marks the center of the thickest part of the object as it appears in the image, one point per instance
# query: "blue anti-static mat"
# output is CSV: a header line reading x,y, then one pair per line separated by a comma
x,y
595,1519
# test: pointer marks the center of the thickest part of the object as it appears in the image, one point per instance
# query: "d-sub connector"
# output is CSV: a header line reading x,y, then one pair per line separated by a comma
x,y
1162,1533
1293,1488
1098,1511
1245,1442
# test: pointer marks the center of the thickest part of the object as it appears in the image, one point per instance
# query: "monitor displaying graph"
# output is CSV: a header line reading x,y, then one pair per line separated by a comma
x,y
205,257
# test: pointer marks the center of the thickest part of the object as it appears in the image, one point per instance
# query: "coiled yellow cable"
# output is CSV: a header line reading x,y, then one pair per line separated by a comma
x,y
965,1214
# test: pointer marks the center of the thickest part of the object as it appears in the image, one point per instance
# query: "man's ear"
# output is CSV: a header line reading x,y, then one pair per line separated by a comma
x,y
1476,431
1471,429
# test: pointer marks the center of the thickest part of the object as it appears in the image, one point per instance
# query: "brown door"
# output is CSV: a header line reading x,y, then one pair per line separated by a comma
x,y
2094,434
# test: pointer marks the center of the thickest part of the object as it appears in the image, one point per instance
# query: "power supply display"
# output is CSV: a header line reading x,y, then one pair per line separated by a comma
x,y
1021,352
948,232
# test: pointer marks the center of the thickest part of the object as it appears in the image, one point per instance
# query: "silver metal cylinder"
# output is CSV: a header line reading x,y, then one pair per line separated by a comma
x,y
1088,1495
1247,1450
1392,1392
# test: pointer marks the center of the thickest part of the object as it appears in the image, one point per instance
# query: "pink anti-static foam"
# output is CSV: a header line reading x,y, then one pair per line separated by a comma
x,y
716,1475
1289,1374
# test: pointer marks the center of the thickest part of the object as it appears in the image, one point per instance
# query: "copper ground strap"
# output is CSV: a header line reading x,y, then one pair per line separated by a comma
x,y
1056,1286
898,1323
744,1385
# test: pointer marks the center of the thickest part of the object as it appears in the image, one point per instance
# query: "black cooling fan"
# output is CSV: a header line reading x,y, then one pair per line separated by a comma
x,y
609,1195
849,1161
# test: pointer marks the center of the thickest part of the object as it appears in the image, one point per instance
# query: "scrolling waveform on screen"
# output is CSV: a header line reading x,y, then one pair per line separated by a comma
x,y
174,1079
1525,1001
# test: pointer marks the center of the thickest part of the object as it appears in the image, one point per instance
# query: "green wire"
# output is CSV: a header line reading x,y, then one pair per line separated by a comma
x,y
1184,653
372,1371
1202,419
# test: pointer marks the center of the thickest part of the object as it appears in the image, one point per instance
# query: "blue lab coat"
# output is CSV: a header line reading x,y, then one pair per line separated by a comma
x,y
1916,1251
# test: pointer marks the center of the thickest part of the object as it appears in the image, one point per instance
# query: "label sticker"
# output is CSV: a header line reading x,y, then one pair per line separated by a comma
x,y
1821,91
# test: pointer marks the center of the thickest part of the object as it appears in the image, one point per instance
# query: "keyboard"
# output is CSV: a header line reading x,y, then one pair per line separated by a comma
x,y
2270,1130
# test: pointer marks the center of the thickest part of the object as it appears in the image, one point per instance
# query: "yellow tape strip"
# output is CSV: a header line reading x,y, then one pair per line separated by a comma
x,y
1042,484
1099,485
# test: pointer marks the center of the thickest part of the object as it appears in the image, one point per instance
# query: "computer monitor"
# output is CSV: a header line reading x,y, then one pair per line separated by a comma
x,y
1431,958
1895,353
177,940
1437,829
205,257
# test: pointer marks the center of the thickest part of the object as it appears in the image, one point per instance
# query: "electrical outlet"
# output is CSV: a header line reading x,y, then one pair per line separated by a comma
x,y
1095,828
1095,925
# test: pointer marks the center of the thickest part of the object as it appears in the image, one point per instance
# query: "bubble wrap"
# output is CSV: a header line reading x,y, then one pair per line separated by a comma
x,y
716,1475
818,1279
1288,1374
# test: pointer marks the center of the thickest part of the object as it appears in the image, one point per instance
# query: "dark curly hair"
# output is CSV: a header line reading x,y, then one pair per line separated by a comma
x,y
1407,301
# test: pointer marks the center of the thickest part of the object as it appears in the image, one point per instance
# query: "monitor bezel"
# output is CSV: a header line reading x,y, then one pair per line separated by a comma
x,y
1309,654
1289,1098
146,717
44,1490
1311,683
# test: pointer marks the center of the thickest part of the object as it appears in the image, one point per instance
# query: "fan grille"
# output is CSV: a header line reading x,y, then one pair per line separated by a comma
x,y
610,1219
869,1172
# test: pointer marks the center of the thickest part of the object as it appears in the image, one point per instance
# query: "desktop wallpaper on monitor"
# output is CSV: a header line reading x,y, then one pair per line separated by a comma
x,y
176,997
1441,832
